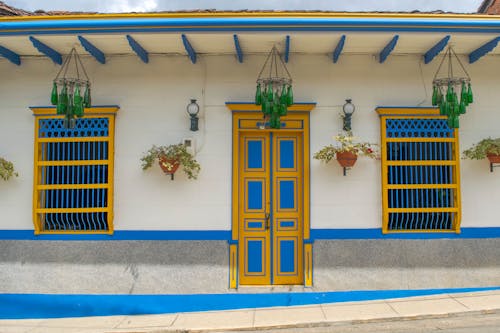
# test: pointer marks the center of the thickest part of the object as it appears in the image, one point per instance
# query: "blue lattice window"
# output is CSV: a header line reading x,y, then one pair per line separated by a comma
x,y
420,166
73,175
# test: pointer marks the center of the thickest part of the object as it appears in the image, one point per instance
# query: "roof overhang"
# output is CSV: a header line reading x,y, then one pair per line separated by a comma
x,y
242,33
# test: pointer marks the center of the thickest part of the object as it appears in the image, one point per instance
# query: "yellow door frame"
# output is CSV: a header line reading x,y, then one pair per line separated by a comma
x,y
248,117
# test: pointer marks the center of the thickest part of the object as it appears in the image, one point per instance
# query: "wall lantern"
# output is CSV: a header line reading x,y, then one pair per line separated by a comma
x,y
348,110
446,84
71,79
192,109
274,89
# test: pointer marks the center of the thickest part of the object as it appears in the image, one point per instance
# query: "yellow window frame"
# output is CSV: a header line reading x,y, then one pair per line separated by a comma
x,y
38,206
419,113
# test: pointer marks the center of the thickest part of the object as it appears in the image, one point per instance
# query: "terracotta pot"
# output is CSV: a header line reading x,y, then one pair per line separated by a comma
x,y
493,158
168,165
346,159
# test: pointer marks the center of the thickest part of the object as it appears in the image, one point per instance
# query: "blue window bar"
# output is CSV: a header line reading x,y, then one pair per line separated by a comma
x,y
420,163
73,175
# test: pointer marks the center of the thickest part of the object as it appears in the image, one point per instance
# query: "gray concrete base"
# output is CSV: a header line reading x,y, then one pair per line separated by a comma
x,y
187,267
406,264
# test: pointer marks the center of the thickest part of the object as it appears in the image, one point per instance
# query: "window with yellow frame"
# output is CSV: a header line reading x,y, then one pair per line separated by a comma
x,y
420,171
73,172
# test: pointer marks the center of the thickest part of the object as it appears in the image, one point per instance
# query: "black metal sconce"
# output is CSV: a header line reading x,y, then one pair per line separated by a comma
x,y
348,109
192,109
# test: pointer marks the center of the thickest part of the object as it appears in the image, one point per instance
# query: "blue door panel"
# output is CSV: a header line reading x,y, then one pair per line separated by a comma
x,y
287,154
254,151
287,194
254,194
254,256
287,256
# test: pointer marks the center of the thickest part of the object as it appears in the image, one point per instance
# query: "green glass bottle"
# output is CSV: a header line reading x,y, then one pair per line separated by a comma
x,y
63,100
53,97
454,95
258,95
283,97
87,99
283,110
266,107
78,103
434,96
463,95
449,96
462,108
469,94
269,92
289,97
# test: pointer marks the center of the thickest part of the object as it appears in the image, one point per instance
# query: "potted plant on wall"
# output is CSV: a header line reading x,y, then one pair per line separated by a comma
x,y
486,148
346,151
7,169
170,158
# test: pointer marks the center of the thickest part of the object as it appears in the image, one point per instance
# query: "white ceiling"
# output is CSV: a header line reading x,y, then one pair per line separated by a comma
x,y
251,43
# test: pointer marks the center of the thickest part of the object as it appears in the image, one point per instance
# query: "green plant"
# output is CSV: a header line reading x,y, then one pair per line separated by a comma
x,y
346,143
481,149
172,152
6,169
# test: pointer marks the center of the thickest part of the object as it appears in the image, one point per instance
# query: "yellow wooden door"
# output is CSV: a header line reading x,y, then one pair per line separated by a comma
x,y
270,205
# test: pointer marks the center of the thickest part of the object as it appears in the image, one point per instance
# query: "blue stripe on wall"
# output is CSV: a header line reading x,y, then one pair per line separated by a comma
x,y
316,234
32,306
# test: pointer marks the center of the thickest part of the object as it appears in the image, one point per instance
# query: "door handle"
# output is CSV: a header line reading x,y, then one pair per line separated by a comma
x,y
267,221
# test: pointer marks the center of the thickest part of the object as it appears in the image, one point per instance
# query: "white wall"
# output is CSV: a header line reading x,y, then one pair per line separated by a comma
x,y
152,99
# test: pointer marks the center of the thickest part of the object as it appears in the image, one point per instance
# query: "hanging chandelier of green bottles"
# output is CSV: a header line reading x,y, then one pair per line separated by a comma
x,y
68,93
274,89
445,90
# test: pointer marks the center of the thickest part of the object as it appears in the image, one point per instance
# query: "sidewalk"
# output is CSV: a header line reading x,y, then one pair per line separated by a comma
x,y
320,314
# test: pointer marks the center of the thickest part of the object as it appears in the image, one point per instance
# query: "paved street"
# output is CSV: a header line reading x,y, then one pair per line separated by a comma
x,y
462,323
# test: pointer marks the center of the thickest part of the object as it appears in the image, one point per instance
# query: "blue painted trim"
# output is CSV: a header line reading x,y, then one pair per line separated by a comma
x,y
214,235
338,49
483,50
138,49
434,51
234,24
388,49
10,55
122,235
239,52
334,234
92,49
189,49
47,50
38,306
233,242
287,48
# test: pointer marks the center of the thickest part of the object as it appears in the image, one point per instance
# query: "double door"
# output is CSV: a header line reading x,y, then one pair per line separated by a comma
x,y
270,207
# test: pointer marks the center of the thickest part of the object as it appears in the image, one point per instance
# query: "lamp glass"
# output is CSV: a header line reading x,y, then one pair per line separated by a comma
x,y
193,108
348,107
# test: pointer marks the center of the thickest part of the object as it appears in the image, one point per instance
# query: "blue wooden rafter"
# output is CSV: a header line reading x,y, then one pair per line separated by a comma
x,y
47,50
92,49
434,51
483,50
338,49
287,48
138,49
237,46
388,49
189,49
10,55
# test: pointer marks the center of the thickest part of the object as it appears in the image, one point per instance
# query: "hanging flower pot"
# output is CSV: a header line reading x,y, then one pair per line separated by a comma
x,y
346,159
493,158
170,158
168,165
